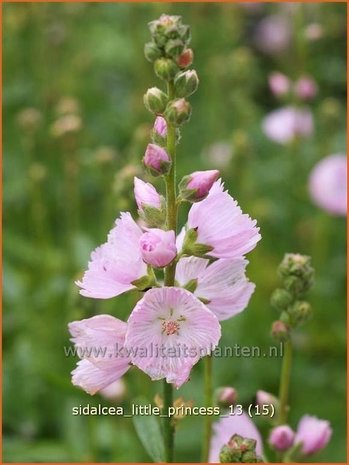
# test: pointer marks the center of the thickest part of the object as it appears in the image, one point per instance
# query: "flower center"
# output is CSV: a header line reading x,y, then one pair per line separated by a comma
x,y
170,327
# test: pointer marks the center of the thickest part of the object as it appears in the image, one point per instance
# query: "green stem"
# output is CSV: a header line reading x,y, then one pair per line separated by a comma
x,y
285,383
170,270
208,403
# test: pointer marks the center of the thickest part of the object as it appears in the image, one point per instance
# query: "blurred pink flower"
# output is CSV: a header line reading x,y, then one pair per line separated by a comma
x,y
313,433
222,285
168,331
229,232
287,123
305,88
328,184
281,437
115,265
158,247
225,428
96,340
146,195
279,84
218,154
273,34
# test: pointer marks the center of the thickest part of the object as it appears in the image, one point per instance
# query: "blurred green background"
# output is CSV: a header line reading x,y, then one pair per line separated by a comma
x,y
75,130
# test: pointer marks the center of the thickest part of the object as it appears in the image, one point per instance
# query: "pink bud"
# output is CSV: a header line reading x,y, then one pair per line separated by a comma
x,y
156,159
160,126
313,433
158,247
226,396
281,437
279,84
306,88
146,195
197,185
265,398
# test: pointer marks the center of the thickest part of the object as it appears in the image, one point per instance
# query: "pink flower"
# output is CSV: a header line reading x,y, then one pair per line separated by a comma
x,y
168,331
146,195
158,247
279,84
328,184
156,159
221,225
115,265
287,123
197,185
226,427
99,342
306,88
313,434
273,34
281,437
222,285
160,126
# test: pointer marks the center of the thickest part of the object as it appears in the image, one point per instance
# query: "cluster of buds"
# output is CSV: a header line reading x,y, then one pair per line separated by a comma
x,y
168,51
239,450
297,277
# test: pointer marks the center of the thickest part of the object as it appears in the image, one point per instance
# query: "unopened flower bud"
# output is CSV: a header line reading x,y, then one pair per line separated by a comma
x,y
186,83
185,59
164,28
300,312
279,84
149,202
185,33
313,434
174,48
158,247
281,437
165,69
297,273
281,299
280,331
196,186
239,450
229,455
226,396
157,160
305,88
160,126
152,52
265,398
178,111
155,100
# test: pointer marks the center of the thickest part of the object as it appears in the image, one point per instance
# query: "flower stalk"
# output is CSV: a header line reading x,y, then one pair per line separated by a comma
x,y
285,383
208,403
171,223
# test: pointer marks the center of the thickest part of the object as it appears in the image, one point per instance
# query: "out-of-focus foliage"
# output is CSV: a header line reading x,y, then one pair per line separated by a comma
x,y
75,130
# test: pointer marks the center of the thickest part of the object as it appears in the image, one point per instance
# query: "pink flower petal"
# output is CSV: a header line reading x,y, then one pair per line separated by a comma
x,y
116,264
231,233
223,283
92,378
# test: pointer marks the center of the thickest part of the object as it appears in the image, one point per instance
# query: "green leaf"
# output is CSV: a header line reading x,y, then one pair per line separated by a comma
x,y
148,430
